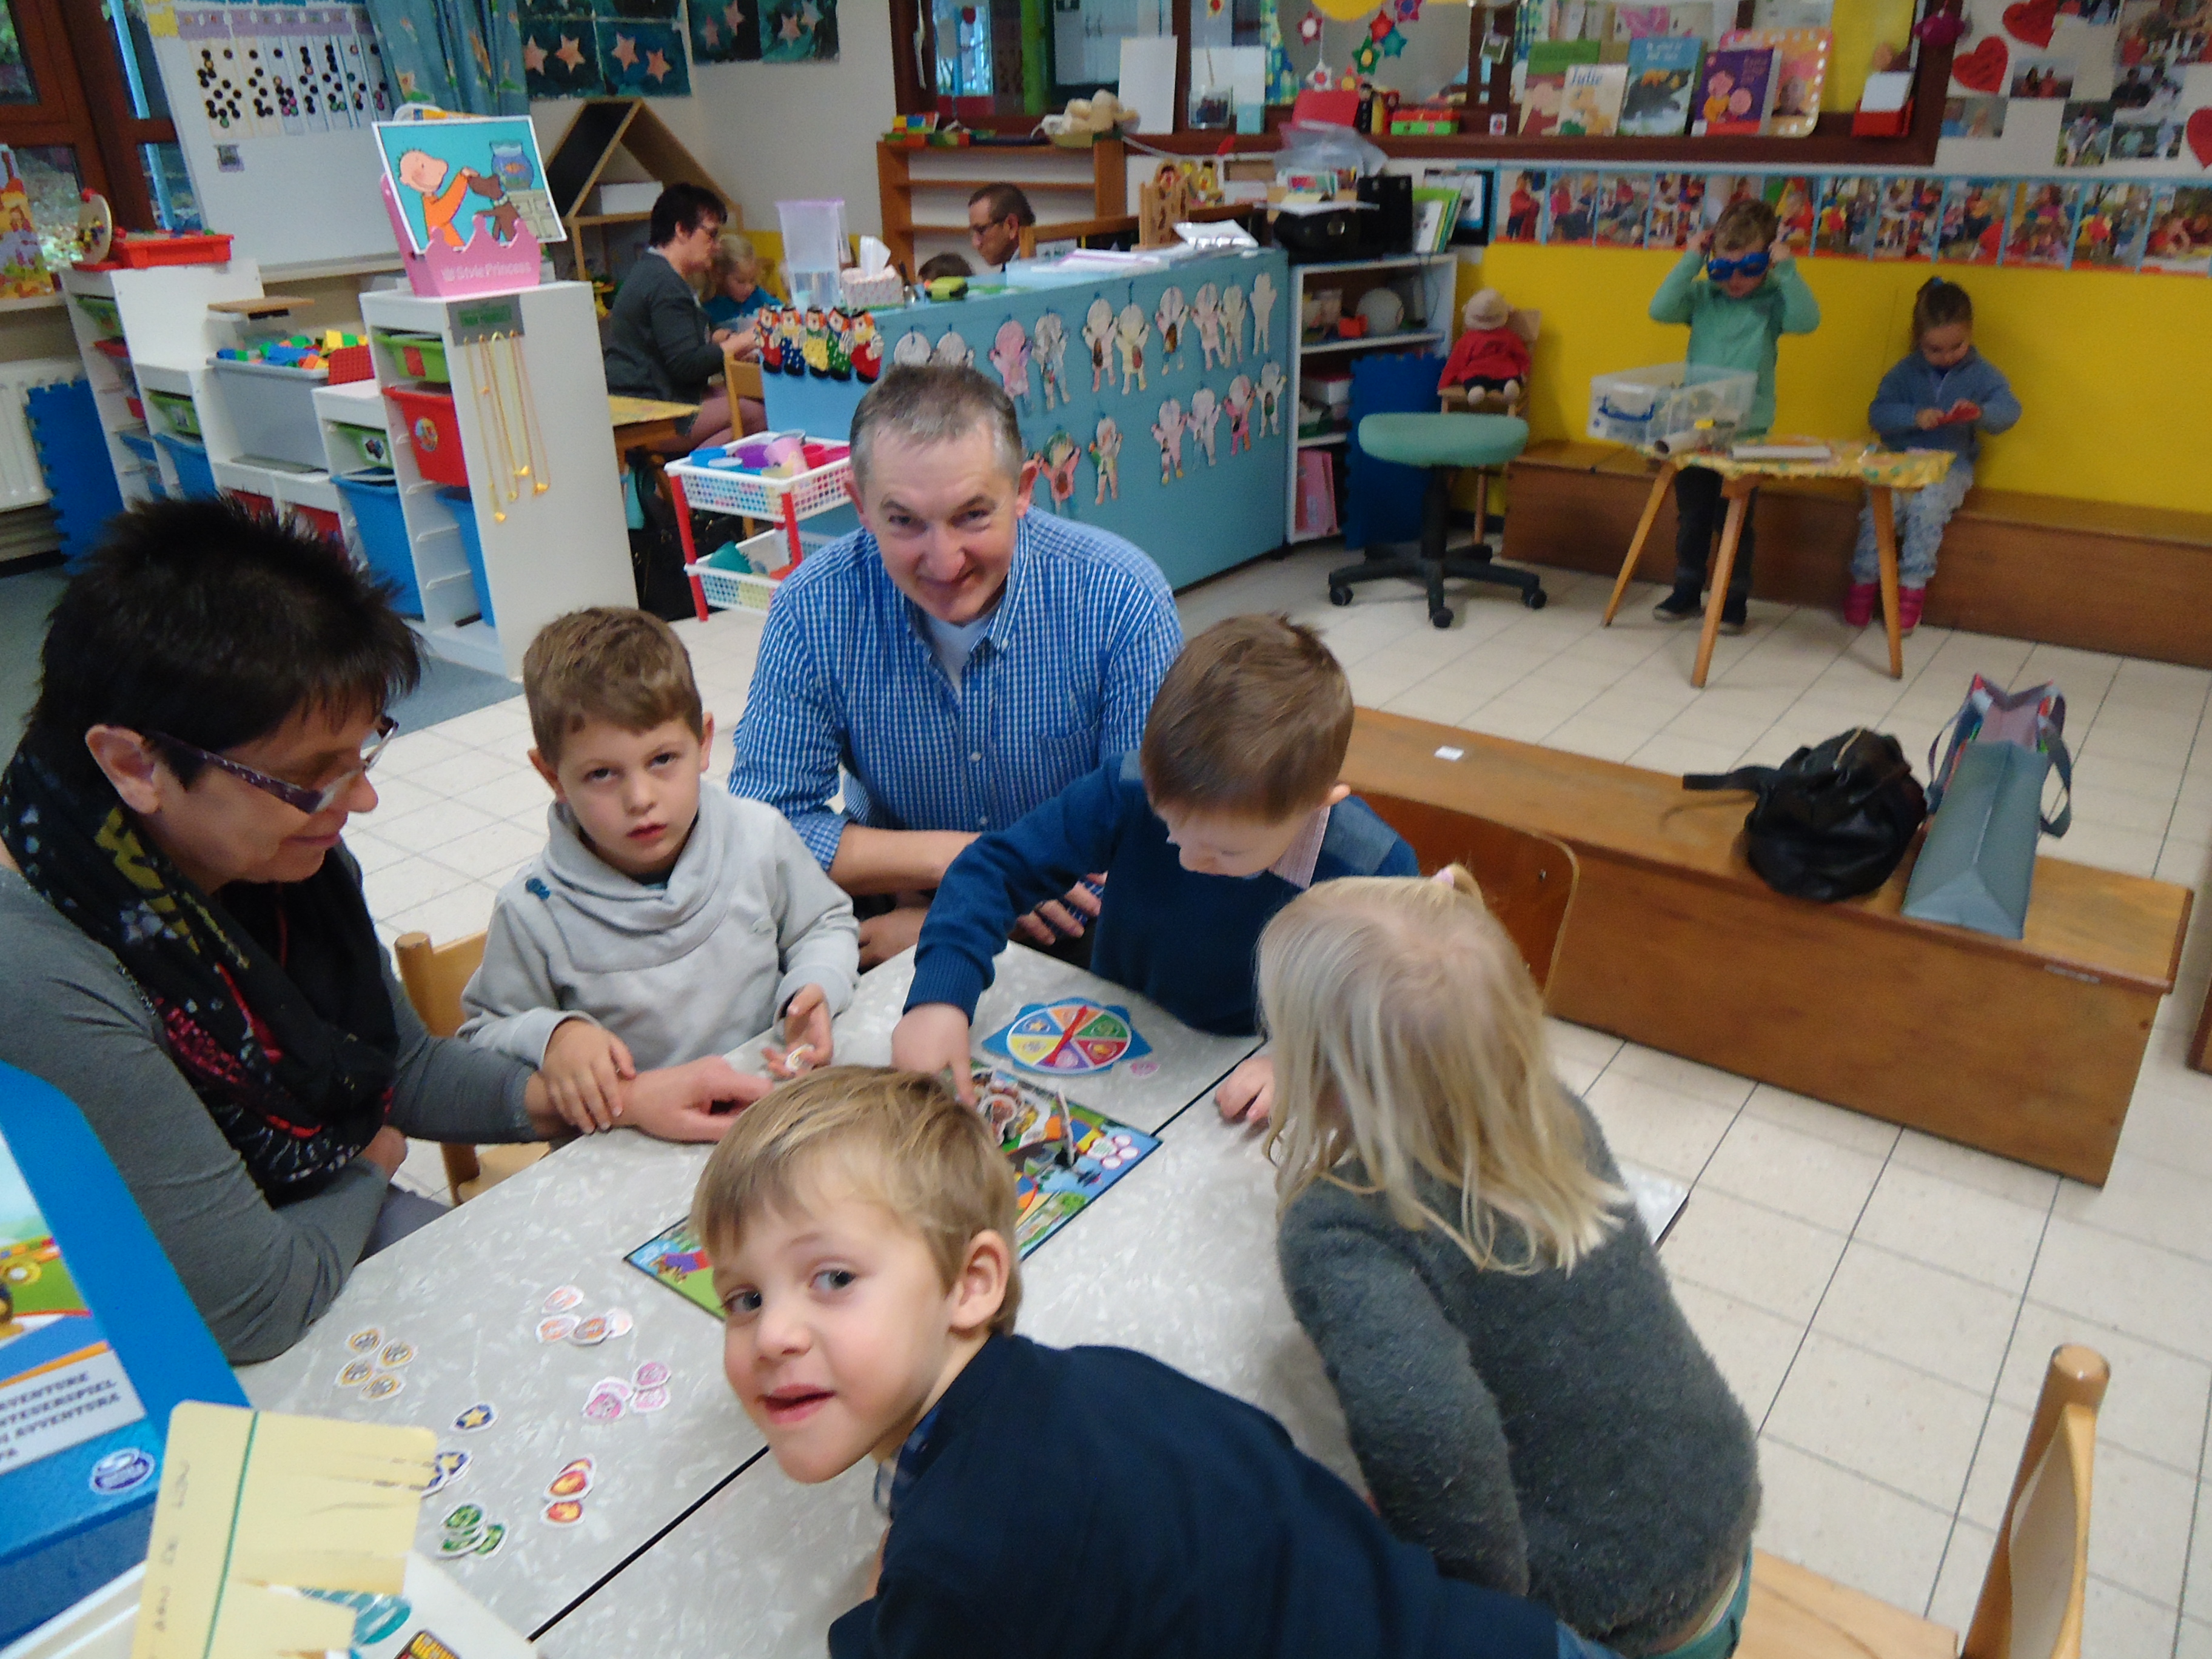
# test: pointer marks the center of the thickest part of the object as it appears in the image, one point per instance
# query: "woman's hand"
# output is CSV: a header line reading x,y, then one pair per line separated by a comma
x,y
1246,1095
583,1068
695,1102
744,344
805,1033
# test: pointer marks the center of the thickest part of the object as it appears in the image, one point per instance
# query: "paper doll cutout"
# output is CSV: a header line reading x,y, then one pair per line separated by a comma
x,y
912,349
1048,351
1271,399
1232,323
1204,415
1106,456
1263,311
1057,459
1169,317
953,352
1098,335
1167,432
1010,355
1130,333
1240,414
1206,313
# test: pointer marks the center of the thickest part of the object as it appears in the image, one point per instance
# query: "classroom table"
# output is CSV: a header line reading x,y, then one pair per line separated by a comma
x,y
468,1292
1882,471
646,421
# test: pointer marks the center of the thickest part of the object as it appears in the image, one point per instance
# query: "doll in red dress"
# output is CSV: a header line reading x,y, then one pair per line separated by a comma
x,y
1492,358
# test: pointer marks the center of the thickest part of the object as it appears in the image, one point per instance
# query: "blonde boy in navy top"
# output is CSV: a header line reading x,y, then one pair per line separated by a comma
x,y
1229,811
860,1222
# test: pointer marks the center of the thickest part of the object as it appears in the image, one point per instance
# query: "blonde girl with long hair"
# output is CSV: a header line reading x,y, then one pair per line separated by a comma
x,y
1524,1396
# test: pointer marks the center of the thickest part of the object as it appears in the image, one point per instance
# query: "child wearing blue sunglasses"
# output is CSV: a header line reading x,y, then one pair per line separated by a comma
x,y
1739,297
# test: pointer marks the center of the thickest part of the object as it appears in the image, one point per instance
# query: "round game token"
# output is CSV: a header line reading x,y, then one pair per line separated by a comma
x,y
562,1300
564,1512
396,1354
363,1342
383,1386
460,1543
602,1408
650,1374
467,1518
558,1329
1144,1067
1126,1141
478,1416
356,1372
648,1399
494,1535
592,1332
615,1386
445,1468
571,1482
619,1323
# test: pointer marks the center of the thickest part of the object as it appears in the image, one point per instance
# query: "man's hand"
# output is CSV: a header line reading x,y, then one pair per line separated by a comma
x,y
1058,918
694,1102
583,1068
1246,1095
805,1033
387,1150
934,1038
884,936
1928,419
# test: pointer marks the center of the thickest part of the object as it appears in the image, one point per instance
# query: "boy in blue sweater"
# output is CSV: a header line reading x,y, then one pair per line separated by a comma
x,y
1229,811
860,1224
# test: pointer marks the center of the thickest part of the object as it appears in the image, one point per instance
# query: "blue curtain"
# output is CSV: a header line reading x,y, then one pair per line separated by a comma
x,y
464,56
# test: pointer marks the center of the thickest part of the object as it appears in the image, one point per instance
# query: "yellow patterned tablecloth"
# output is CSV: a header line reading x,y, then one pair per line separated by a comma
x,y
1868,464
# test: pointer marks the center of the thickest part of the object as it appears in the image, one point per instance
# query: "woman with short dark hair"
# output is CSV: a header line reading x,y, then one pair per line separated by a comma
x,y
190,957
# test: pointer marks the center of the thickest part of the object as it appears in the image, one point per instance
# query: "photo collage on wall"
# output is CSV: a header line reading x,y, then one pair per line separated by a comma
x,y
2120,93
2148,225
283,71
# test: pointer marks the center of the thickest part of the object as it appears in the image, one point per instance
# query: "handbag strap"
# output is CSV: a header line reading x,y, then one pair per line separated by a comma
x,y
1753,778
2062,820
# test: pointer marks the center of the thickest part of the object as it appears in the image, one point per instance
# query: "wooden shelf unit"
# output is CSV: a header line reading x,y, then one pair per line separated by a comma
x,y
574,166
901,172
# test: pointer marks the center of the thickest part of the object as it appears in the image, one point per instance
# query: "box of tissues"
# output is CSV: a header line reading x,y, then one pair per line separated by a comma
x,y
872,282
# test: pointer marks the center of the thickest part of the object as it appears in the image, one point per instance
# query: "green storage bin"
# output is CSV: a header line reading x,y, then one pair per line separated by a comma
x,y
360,446
182,415
106,317
420,357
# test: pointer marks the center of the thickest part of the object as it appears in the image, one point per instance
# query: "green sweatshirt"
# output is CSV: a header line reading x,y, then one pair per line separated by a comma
x,y
1729,333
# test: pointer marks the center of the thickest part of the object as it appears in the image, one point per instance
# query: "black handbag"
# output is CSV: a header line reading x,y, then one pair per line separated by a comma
x,y
1832,821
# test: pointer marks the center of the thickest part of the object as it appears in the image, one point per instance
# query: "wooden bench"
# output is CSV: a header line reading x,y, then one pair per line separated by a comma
x,y
2029,1049
2137,580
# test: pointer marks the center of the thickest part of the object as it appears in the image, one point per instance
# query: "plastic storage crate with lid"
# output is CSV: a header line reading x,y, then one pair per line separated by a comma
x,y
1663,405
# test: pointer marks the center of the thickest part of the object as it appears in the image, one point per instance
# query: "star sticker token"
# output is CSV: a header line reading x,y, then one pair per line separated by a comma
x,y
383,1386
1380,25
478,1416
445,1467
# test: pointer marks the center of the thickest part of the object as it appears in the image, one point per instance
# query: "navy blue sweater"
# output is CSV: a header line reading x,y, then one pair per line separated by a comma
x,y
1184,939
1085,1503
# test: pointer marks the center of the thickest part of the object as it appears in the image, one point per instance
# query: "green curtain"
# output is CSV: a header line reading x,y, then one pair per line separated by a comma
x,y
464,56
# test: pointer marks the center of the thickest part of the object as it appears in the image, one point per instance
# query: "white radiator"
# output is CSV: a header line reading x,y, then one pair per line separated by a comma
x,y
22,484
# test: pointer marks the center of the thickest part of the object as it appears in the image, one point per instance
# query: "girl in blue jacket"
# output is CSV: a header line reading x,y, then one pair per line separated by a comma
x,y
1944,396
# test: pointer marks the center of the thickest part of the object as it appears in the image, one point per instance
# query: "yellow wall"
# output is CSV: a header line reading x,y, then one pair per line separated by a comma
x,y
2113,369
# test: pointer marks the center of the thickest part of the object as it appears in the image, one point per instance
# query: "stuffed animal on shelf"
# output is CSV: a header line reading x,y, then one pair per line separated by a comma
x,y
1489,363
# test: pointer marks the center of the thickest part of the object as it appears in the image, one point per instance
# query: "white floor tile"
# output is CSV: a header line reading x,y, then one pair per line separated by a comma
x,y
2148,1200
1800,1174
1683,1077
454,913
1773,1261
509,795
1859,1533
1648,1124
1953,1327
2139,1530
1959,1585
2195,1641
1910,1432
494,850
1996,1465
1971,1167
1854,1130
1948,1224
434,825
2139,1288
2156,1403
399,887
2116,1624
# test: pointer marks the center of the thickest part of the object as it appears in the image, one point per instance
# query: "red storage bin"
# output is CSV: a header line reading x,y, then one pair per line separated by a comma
x,y
433,433
261,506
141,250
318,521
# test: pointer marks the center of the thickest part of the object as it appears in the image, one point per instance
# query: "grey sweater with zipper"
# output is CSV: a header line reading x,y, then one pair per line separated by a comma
x,y
690,968
1561,1436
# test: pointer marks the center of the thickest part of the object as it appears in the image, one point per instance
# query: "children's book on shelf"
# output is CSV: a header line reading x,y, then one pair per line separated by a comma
x,y
1545,90
2041,231
2109,230
1844,225
2178,237
1736,92
1436,210
1663,74
1589,101
1801,75
1973,227
1624,201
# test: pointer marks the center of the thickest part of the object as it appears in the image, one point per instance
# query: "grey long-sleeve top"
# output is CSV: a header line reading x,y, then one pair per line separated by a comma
x,y
660,343
259,1275
1561,1436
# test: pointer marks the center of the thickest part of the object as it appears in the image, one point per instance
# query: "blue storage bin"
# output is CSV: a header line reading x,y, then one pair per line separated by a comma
x,y
195,476
462,507
375,499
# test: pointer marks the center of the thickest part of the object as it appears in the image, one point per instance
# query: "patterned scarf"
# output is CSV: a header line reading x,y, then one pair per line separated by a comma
x,y
274,1001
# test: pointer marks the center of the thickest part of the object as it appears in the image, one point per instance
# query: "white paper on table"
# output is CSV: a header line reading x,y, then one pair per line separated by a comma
x,y
1148,78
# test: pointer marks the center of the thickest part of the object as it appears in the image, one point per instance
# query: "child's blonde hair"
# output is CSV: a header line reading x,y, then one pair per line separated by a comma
x,y
903,1139
1746,224
733,250
1408,1033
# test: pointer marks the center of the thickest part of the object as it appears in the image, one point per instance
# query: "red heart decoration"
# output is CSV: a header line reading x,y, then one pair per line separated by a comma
x,y
2200,136
2031,21
1982,70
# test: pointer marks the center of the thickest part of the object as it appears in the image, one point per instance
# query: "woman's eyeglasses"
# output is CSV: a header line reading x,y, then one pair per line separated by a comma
x,y
298,796
1744,264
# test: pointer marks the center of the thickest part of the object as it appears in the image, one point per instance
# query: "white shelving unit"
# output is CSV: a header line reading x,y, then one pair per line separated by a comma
x,y
546,551
1429,321
170,334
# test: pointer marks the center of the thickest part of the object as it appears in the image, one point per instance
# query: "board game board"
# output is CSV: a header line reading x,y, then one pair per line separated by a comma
x,y
1067,1039
1064,1157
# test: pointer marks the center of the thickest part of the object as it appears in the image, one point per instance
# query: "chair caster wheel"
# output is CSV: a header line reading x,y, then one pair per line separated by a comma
x,y
1441,617
1534,598
1338,594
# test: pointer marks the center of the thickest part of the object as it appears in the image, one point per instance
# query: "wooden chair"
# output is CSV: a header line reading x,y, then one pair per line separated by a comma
x,y
435,975
2032,1597
1528,879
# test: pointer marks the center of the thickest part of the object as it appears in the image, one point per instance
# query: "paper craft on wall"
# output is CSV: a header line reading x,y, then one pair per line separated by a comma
x,y
1206,316
1131,331
1098,335
1106,458
1272,387
913,350
1056,463
573,49
1010,355
952,351
1167,432
1049,352
1239,403
798,31
724,31
283,71
643,59
1170,316
1263,311
1205,415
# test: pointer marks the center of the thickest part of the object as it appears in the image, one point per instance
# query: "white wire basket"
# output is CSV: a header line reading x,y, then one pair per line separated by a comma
x,y
756,496
742,582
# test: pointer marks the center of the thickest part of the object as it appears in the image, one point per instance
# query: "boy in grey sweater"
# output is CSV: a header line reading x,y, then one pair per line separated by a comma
x,y
661,923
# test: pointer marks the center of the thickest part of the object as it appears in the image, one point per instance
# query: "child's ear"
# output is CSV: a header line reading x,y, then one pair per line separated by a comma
x,y
979,1290
544,769
706,743
1342,792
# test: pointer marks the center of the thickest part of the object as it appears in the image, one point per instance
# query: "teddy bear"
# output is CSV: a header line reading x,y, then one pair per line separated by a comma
x,y
1490,362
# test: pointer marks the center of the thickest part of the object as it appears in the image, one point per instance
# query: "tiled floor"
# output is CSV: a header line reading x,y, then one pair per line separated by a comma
x,y
1881,1302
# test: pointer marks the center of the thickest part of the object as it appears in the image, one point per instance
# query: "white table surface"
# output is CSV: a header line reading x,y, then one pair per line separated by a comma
x,y
468,1289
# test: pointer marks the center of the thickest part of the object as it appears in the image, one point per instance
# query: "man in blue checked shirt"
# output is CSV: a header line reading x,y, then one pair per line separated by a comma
x,y
956,661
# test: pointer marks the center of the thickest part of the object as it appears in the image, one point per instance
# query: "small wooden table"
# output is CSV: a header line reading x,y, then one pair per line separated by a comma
x,y
645,420
1882,471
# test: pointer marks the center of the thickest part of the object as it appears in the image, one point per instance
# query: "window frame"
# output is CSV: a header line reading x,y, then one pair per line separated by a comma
x,y
84,102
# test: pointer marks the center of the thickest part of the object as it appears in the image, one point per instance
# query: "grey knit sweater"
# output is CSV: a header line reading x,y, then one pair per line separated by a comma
x,y
1557,1435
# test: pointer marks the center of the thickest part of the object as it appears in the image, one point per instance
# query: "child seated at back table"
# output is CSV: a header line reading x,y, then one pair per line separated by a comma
x,y
1524,1396
1944,396
661,924
1042,1501
1746,299
1229,811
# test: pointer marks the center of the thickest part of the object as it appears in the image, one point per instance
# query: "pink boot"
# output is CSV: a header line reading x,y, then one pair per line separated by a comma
x,y
1859,601
1909,603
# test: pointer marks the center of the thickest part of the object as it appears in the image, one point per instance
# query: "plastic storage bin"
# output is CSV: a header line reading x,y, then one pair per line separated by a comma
x,y
253,501
735,576
1663,404
105,315
374,498
195,477
182,415
272,411
318,521
433,433
361,445
420,356
462,507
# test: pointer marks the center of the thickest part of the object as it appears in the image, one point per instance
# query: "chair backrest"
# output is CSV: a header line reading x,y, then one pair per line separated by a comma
x,y
1528,879
741,378
2031,1598
436,975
